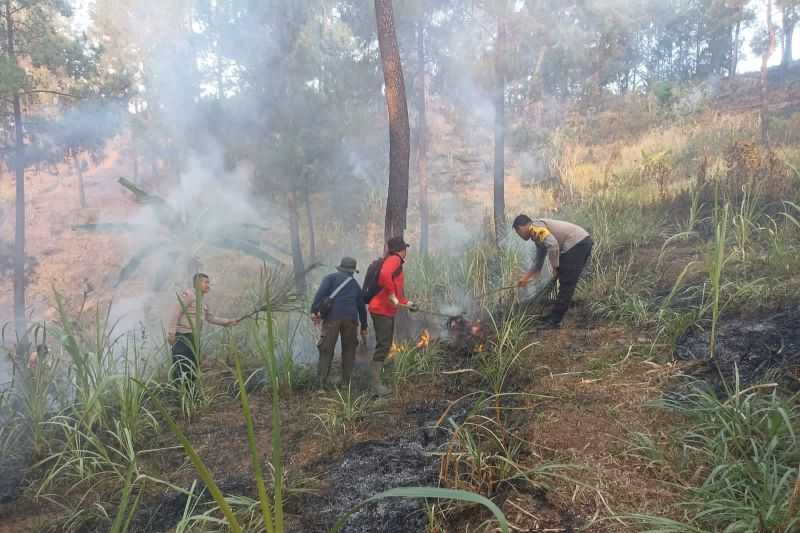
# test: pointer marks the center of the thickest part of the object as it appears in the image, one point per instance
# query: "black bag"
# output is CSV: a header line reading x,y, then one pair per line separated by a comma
x,y
371,286
326,305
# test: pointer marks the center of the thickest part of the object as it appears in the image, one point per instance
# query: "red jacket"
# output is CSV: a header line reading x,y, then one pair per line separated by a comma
x,y
391,282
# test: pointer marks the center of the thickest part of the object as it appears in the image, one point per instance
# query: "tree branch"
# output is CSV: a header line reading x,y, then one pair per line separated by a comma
x,y
45,91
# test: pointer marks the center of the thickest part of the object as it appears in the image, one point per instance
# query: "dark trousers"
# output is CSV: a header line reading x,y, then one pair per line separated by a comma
x,y
184,359
384,335
331,331
571,264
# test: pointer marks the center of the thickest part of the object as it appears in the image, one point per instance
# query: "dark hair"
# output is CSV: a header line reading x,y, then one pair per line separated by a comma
x,y
197,277
521,220
396,244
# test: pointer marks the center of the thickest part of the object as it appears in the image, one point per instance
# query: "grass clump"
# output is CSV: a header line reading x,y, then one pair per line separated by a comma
x,y
342,416
745,447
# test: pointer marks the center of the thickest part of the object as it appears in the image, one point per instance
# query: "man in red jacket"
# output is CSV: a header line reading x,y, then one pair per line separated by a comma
x,y
384,305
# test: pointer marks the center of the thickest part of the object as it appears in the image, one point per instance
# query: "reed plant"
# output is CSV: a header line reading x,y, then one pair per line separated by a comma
x,y
745,445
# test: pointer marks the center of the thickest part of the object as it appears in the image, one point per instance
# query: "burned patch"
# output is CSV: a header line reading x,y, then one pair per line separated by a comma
x,y
761,349
369,468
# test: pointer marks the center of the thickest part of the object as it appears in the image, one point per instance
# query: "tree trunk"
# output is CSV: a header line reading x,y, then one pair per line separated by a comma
x,y
765,78
312,244
499,128
399,134
135,157
788,36
735,51
297,249
81,189
19,233
422,143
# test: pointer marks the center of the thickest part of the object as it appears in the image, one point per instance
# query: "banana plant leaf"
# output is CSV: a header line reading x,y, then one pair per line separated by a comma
x,y
142,196
164,211
107,228
138,258
245,248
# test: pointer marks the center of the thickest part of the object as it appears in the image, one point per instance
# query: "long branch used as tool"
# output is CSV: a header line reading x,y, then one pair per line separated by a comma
x,y
495,291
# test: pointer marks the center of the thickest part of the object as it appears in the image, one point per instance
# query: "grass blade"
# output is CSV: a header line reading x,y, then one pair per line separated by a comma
x,y
429,492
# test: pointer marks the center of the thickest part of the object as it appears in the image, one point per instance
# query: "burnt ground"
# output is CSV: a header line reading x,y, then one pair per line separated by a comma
x,y
589,386
760,349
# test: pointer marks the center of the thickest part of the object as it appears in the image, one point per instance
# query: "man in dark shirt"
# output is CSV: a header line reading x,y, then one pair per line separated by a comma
x,y
346,311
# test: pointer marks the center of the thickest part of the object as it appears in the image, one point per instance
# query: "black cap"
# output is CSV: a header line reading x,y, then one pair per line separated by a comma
x,y
348,264
396,244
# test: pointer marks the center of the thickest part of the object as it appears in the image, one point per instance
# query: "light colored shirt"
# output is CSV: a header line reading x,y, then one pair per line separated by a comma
x,y
553,238
184,315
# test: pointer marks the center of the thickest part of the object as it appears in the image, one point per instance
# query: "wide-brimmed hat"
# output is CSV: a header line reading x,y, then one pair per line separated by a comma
x,y
348,264
396,244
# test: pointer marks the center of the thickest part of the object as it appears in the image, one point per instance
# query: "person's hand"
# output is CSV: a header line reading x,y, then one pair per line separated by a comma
x,y
234,322
411,306
33,359
171,339
364,332
316,319
524,280
555,273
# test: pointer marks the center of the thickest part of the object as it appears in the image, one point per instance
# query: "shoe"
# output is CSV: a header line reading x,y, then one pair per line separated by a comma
x,y
550,322
375,384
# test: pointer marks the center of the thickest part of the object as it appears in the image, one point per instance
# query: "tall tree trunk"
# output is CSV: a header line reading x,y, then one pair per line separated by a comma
x,y
135,158
19,171
81,189
312,244
789,22
422,142
765,77
399,134
297,249
735,50
499,128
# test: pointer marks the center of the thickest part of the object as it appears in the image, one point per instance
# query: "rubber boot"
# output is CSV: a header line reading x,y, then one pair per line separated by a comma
x,y
375,384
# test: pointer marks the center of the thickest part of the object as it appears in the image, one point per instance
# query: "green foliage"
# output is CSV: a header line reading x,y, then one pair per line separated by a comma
x,y
746,448
412,360
430,492
342,415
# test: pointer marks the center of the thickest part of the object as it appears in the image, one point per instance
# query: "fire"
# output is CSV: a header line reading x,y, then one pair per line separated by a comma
x,y
393,351
480,348
424,339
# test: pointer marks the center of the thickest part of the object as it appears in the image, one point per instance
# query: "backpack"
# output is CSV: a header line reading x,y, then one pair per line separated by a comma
x,y
371,287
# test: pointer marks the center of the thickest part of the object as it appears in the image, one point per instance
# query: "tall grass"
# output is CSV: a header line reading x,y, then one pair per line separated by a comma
x,y
498,362
718,261
746,448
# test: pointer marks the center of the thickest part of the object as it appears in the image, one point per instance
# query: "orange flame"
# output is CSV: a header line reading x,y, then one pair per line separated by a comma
x,y
424,339
393,351
480,348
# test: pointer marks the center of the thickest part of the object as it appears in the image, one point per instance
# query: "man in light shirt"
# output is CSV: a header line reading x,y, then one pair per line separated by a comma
x,y
184,325
566,246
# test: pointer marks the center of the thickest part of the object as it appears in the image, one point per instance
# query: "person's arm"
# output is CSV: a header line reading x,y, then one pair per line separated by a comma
x,y
323,291
219,321
553,252
362,310
386,277
538,262
400,290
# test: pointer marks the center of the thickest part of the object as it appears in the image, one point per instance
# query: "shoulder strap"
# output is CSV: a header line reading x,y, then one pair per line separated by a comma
x,y
340,287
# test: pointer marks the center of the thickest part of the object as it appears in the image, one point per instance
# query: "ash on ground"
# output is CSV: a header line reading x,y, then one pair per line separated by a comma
x,y
369,468
764,349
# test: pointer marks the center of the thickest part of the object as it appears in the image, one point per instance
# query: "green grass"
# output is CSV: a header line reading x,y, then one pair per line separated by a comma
x,y
746,447
342,415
